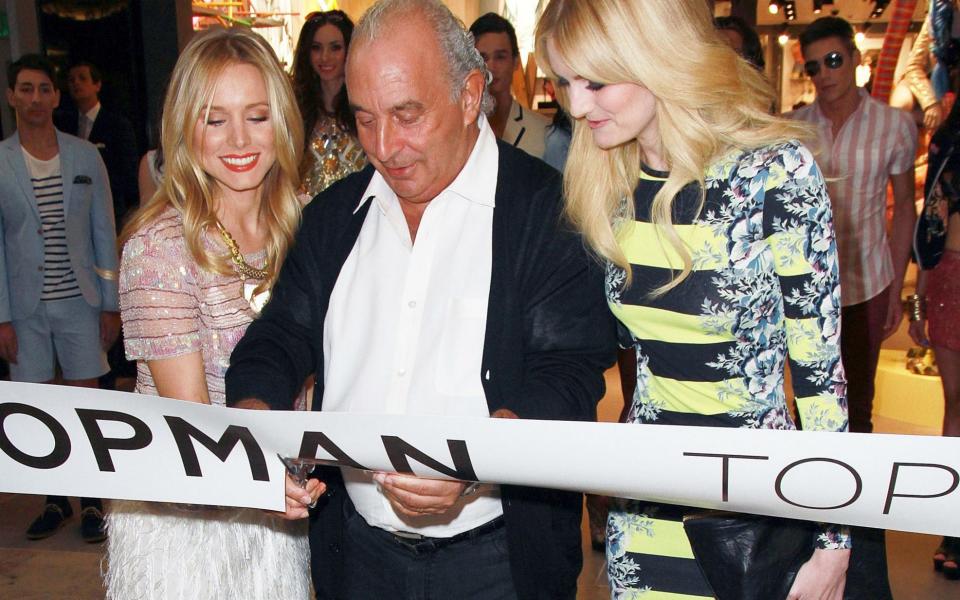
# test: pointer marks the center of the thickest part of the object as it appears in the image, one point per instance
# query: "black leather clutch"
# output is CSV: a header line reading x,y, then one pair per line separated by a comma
x,y
749,557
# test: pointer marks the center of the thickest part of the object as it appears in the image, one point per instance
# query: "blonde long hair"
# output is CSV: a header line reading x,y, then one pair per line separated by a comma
x,y
185,185
708,102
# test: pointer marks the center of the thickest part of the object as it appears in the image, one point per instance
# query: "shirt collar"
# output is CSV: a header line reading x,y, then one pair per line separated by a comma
x,y
93,112
861,93
476,182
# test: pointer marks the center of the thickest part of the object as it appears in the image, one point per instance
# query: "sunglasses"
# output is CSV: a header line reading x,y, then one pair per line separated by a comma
x,y
833,60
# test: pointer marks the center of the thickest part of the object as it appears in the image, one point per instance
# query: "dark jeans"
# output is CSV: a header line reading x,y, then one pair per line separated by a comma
x,y
378,565
861,332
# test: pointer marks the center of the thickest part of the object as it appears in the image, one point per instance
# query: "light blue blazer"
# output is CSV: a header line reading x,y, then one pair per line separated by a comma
x,y
91,236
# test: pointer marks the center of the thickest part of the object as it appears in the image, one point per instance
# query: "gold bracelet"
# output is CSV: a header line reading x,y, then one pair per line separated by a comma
x,y
917,307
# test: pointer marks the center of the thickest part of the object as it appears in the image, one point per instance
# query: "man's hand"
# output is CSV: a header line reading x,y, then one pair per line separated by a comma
x,y
933,116
109,328
823,577
8,343
417,496
894,313
300,499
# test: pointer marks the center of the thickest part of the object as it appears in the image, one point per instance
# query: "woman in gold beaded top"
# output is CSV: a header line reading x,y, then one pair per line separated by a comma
x,y
331,151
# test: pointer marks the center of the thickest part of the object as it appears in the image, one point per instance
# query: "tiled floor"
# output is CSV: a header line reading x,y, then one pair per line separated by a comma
x,y
64,567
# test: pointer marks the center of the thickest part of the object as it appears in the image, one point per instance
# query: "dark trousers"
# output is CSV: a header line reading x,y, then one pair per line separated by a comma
x,y
378,565
63,503
861,333
867,577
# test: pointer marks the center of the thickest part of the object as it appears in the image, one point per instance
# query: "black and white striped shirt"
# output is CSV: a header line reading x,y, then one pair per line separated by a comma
x,y
59,281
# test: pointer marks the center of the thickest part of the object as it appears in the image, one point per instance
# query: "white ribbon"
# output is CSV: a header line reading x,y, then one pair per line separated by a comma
x,y
81,442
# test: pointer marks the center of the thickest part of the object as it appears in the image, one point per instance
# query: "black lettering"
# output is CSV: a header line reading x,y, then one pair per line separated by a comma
x,y
183,432
896,472
102,446
61,441
399,450
312,440
724,486
856,477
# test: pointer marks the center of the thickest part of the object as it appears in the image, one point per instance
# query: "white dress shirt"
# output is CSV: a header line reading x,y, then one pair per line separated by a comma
x,y
405,327
86,121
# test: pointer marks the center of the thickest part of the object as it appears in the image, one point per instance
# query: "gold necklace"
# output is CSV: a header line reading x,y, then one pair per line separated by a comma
x,y
241,265
256,299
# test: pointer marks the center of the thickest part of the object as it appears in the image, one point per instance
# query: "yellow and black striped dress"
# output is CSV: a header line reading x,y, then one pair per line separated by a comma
x,y
711,351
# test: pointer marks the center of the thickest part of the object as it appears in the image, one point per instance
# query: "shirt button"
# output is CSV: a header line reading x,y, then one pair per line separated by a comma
x,y
401,372
412,304
40,268
40,231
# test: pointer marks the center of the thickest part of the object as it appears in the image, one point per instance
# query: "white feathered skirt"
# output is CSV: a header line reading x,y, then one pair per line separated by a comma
x,y
168,551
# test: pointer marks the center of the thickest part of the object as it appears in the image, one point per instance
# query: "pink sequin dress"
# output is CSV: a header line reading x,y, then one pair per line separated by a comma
x,y
171,307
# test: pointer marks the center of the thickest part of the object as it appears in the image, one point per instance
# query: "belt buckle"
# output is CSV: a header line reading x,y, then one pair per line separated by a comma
x,y
409,535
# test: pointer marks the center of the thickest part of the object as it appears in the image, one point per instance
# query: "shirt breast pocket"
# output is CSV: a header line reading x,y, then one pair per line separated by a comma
x,y
461,348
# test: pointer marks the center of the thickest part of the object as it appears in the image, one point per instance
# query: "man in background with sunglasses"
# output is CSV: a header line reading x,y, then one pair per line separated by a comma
x,y
863,144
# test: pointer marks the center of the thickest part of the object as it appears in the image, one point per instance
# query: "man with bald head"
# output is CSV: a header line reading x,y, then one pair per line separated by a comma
x,y
440,280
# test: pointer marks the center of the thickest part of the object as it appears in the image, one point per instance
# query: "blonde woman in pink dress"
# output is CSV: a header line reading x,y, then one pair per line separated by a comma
x,y
199,259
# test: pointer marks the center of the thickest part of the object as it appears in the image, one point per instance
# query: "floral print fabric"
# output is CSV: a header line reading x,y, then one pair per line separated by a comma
x,y
764,290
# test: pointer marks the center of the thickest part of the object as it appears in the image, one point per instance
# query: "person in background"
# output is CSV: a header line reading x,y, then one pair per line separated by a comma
x,y
519,126
557,140
935,52
199,260
863,145
935,308
743,39
106,129
58,260
113,136
691,193
331,150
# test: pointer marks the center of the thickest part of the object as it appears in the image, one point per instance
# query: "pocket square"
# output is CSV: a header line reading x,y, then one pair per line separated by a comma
x,y
82,179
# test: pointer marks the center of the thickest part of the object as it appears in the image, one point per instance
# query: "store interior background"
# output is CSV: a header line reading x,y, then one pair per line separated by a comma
x,y
136,43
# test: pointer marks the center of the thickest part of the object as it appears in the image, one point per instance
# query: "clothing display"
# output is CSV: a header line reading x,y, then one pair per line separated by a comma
x,y
332,154
941,199
712,351
171,307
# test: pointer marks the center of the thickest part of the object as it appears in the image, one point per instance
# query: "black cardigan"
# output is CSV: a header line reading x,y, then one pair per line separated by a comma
x,y
549,338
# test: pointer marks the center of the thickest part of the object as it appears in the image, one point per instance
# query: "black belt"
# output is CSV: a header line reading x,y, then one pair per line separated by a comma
x,y
422,544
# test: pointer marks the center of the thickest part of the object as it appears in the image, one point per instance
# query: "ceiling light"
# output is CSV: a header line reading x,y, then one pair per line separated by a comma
x,y
790,10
